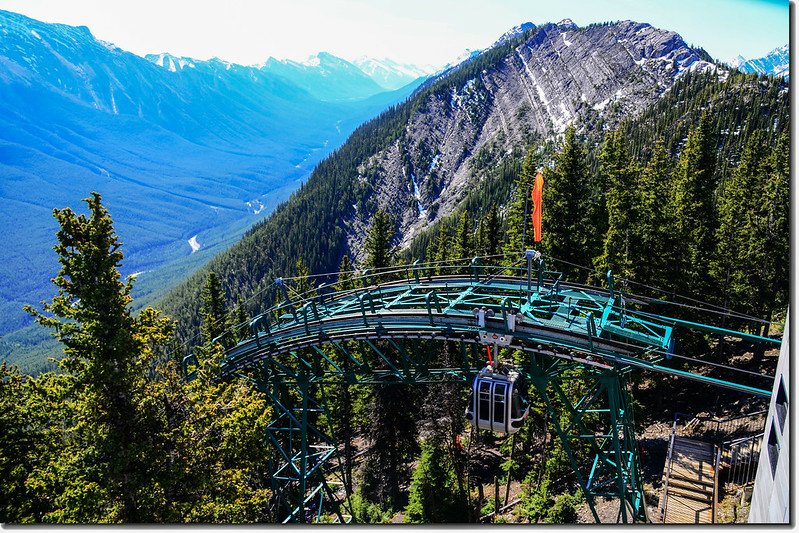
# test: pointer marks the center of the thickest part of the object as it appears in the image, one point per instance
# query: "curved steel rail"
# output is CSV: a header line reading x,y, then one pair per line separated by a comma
x,y
586,324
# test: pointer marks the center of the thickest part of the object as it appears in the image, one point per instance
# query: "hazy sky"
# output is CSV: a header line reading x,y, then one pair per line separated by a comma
x,y
417,31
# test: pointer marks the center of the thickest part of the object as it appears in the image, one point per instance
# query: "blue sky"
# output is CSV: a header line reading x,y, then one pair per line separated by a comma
x,y
417,31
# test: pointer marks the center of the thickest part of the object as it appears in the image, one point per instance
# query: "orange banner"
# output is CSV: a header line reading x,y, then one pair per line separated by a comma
x,y
538,204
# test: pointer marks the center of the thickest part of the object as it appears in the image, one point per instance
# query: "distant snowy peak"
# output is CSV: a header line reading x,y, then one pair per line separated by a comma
x,y
775,63
390,74
567,24
466,55
170,62
325,76
322,61
514,32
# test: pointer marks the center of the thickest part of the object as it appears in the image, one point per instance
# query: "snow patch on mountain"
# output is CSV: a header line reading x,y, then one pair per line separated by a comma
x,y
514,32
195,244
391,74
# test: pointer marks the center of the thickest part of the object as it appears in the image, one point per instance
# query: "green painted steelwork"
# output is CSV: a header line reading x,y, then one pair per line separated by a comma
x,y
566,332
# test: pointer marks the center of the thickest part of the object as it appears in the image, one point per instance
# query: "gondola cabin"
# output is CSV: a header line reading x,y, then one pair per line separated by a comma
x,y
498,401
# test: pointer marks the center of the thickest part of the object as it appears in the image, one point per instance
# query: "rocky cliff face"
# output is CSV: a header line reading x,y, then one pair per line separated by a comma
x,y
559,75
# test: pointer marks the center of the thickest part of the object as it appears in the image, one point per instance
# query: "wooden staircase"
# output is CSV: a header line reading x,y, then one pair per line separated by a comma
x,y
689,481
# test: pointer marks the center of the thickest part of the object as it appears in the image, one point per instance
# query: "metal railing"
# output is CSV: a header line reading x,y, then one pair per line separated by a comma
x,y
740,457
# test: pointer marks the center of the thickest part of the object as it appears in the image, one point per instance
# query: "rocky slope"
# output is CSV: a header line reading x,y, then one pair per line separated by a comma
x,y
418,159
560,75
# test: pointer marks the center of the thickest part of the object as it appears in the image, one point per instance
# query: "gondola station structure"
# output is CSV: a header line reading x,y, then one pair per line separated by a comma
x,y
558,332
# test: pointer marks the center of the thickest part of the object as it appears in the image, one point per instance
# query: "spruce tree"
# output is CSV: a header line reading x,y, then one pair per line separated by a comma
x,y
464,241
652,246
302,285
619,172
443,252
519,236
735,266
694,211
379,253
392,429
567,227
774,214
109,462
432,494
238,321
490,236
213,313
345,277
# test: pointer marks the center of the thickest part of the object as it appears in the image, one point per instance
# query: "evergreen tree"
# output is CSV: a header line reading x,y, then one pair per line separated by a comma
x,y
432,495
619,172
443,252
392,436
379,253
464,241
213,312
694,211
108,466
345,277
775,223
519,227
302,284
733,266
753,232
652,245
567,226
490,236
239,321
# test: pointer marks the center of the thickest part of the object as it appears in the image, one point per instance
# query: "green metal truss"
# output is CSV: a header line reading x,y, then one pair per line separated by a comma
x,y
566,331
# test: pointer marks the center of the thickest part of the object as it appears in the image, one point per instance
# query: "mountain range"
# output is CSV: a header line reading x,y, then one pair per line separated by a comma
x,y
187,153
427,158
775,63
190,154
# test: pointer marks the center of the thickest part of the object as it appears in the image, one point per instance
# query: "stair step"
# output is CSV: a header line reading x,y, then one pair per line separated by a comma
x,y
689,479
692,485
691,495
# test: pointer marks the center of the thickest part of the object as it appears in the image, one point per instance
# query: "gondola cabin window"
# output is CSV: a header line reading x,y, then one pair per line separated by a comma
x,y
485,400
499,405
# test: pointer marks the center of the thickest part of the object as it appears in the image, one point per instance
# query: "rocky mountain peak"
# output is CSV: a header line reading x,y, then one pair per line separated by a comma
x,y
558,75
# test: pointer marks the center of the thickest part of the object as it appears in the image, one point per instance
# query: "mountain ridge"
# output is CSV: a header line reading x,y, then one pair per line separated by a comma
x,y
201,152
776,63
415,161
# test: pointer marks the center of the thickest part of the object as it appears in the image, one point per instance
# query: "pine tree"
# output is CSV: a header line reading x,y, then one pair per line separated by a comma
x,y
753,233
238,321
694,211
652,246
490,235
464,241
774,214
432,493
733,266
519,228
443,252
302,285
392,435
345,277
